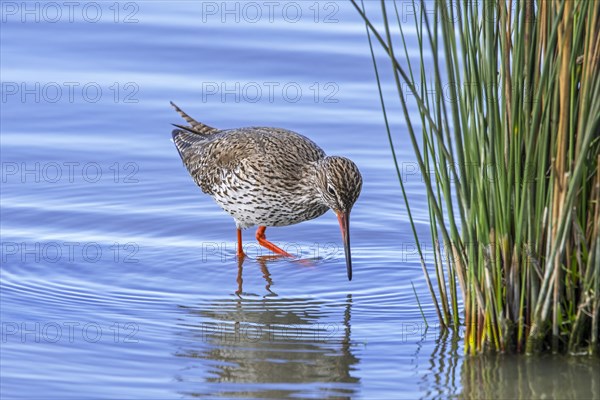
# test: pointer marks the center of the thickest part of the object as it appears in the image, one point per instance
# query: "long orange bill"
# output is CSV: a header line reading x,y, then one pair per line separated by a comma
x,y
344,220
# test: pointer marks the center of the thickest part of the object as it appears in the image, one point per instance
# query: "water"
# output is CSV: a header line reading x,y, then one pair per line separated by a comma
x,y
119,278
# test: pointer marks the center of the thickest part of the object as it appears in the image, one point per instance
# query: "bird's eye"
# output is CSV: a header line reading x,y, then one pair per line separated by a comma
x,y
331,190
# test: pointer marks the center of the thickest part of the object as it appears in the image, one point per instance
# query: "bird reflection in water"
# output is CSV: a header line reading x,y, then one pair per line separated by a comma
x,y
269,346
262,262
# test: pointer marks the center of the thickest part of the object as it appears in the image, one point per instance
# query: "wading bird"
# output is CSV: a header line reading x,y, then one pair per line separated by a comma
x,y
268,177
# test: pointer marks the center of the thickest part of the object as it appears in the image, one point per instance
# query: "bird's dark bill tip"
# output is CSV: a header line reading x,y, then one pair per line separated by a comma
x,y
344,220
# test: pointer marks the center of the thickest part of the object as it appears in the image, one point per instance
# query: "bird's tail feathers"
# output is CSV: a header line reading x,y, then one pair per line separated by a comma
x,y
186,128
195,126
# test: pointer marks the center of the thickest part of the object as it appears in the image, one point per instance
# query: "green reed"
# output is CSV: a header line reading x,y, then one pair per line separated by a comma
x,y
508,94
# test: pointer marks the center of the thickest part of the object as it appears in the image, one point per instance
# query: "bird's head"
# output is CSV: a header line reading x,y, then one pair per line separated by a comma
x,y
339,183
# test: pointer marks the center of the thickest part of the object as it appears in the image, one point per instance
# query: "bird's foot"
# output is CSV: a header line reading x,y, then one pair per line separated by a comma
x,y
262,240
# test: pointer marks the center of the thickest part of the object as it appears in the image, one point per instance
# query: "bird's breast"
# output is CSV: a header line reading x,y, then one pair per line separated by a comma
x,y
276,203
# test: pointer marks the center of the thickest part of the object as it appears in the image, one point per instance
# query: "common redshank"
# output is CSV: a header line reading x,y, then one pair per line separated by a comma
x,y
268,177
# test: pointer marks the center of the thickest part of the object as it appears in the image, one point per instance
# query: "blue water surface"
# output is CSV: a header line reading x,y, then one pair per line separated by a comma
x,y
119,277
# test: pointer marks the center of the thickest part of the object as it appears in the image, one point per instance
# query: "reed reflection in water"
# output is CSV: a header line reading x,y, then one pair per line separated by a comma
x,y
439,377
529,377
253,341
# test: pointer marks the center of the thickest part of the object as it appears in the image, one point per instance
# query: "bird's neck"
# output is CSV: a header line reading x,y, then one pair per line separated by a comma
x,y
308,180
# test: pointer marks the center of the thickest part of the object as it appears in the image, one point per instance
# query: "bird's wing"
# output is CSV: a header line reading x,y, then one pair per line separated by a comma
x,y
216,160
186,141
190,146
207,158
195,126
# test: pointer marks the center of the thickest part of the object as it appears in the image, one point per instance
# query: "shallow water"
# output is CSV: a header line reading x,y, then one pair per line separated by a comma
x,y
119,278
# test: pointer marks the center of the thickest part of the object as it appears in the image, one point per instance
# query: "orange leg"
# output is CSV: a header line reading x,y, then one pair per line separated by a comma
x,y
262,240
240,251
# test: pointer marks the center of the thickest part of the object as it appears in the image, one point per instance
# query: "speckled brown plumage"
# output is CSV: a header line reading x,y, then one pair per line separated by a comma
x,y
266,176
